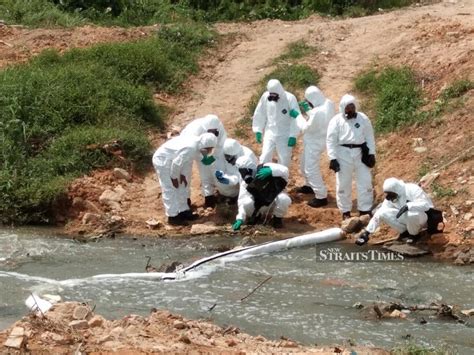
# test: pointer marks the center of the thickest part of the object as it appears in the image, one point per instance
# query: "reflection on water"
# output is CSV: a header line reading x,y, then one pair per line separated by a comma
x,y
306,299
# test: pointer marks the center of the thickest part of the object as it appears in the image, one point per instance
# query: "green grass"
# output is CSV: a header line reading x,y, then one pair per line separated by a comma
x,y
393,96
66,13
441,191
294,51
451,97
53,109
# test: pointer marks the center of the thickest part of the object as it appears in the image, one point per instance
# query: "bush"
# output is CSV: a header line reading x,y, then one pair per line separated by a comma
x,y
393,95
147,12
55,108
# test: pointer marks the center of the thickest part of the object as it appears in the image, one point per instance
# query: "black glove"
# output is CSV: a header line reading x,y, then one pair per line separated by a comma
x,y
370,161
402,211
210,201
334,165
363,238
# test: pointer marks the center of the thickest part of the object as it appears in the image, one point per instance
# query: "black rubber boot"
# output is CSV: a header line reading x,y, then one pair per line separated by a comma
x,y
188,215
361,213
277,222
210,201
413,239
404,235
305,190
346,215
177,221
318,202
363,239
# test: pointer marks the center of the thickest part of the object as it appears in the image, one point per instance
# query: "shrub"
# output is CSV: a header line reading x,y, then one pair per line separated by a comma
x,y
393,95
54,109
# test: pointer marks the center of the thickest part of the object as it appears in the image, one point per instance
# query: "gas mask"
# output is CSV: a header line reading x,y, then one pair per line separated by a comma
x,y
273,97
231,159
214,131
391,196
350,111
207,158
246,174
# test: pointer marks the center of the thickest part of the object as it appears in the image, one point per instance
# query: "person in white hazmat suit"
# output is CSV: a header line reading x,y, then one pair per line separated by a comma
x,y
261,193
228,179
351,150
173,161
404,209
320,110
208,124
275,119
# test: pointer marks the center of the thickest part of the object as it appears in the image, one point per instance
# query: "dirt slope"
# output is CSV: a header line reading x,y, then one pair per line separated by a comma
x,y
436,40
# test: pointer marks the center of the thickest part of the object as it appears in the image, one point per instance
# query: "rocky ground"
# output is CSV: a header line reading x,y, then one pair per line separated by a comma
x,y
74,328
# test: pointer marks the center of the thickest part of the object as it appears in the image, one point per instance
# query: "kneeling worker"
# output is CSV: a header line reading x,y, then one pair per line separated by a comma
x,y
261,192
404,209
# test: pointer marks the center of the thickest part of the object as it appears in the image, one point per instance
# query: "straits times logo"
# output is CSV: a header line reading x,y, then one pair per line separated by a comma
x,y
339,254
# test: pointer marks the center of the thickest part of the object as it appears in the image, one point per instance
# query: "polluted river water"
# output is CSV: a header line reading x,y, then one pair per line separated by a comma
x,y
309,297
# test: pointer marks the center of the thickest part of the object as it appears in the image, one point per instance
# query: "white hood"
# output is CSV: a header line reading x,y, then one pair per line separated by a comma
x,y
244,162
346,100
275,86
232,147
211,122
315,96
207,140
397,186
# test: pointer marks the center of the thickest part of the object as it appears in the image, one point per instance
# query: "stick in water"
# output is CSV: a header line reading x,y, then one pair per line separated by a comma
x,y
256,288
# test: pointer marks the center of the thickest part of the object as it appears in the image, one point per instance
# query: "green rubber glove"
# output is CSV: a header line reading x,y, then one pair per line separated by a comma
x,y
237,224
291,142
294,113
258,136
305,106
263,173
208,160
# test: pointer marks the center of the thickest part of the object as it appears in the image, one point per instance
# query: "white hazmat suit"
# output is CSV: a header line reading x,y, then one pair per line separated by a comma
x,y
314,140
174,159
229,182
352,132
196,128
410,195
276,120
246,202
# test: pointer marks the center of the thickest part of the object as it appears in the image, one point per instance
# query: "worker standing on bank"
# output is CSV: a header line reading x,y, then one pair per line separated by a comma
x,y
351,150
274,123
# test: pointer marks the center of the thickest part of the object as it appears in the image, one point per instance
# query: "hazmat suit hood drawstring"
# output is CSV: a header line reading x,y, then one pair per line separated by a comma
x,y
314,96
345,101
275,86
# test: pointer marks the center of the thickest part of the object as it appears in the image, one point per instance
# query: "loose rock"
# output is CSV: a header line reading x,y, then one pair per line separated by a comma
x,y
122,174
80,312
79,324
204,228
96,321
